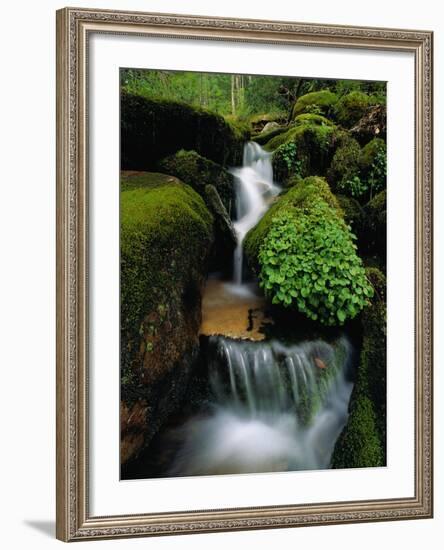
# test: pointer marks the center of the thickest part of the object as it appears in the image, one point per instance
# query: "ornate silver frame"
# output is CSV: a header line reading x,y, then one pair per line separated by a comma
x,y
74,521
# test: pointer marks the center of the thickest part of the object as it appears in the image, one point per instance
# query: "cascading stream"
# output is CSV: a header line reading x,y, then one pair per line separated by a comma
x,y
276,408
254,191
272,406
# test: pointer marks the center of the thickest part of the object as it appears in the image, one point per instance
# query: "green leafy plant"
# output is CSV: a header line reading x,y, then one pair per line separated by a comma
x,y
288,155
378,173
355,186
308,261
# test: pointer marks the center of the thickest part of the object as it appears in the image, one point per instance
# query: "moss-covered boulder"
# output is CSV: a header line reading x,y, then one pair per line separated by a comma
x,y
198,172
353,214
345,165
304,150
320,103
305,256
162,220
311,118
374,232
350,108
362,443
263,138
152,129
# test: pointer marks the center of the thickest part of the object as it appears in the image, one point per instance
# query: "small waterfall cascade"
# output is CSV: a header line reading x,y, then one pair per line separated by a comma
x,y
254,191
276,408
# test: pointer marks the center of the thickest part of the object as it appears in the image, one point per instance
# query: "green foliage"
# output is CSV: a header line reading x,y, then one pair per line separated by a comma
x,y
312,150
350,108
359,173
319,103
287,153
374,165
354,187
309,261
345,164
306,257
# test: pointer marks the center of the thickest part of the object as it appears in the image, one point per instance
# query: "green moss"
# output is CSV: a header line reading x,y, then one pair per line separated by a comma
x,y
152,129
305,255
311,118
375,226
162,219
197,171
353,214
319,103
370,152
350,108
359,446
363,440
263,138
300,195
313,148
345,164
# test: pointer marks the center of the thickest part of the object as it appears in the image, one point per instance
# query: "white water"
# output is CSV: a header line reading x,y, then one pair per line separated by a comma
x,y
275,409
272,407
254,191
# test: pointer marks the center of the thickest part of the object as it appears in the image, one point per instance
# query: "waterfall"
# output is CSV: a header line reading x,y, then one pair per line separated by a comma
x,y
254,191
271,406
275,408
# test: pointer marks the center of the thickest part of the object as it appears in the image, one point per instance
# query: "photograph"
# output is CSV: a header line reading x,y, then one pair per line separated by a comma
x,y
253,263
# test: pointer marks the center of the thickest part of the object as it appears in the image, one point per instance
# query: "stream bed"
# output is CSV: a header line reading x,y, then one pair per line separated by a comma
x,y
256,403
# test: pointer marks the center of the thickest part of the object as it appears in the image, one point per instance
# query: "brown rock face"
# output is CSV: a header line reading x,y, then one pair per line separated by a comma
x,y
372,124
133,422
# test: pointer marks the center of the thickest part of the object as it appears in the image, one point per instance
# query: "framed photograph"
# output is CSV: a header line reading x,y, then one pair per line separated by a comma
x,y
244,274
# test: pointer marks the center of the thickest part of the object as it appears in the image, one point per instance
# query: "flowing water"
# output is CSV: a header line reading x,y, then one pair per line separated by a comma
x,y
254,191
275,408
271,406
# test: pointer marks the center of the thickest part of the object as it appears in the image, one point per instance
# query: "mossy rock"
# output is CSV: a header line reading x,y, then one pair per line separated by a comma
x,y
370,151
153,129
262,139
305,256
375,226
362,443
311,118
162,219
351,108
319,103
304,150
353,214
345,164
198,172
